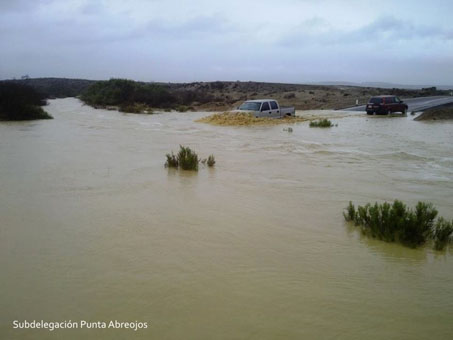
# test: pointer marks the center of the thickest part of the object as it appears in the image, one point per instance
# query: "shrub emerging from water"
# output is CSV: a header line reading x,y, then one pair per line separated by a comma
x,y
187,158
442,234
172,161
398,223
135,108
323,123
21,102
211,161
182,108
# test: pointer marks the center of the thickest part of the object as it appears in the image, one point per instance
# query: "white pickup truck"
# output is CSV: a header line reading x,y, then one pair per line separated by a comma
x,y
266,108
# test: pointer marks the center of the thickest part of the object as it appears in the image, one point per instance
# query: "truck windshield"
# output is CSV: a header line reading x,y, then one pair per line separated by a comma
x,y
250,106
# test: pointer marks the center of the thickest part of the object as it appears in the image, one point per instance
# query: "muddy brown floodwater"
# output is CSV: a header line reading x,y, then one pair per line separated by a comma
x,y
93,227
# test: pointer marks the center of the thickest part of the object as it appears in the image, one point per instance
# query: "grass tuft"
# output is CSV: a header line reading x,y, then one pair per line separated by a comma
x,y
182,108
187,159
211,161
323,123
172,161
442,234
349,215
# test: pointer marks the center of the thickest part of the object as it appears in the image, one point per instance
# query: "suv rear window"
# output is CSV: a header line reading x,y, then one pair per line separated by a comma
x,y
375,100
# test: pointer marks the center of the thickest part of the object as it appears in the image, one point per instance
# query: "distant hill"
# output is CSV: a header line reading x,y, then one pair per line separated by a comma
x,y
217,95
56,87
384,85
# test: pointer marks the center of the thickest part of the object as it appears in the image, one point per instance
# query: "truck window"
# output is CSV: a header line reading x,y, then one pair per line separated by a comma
x,y
274,106
250,106
265,106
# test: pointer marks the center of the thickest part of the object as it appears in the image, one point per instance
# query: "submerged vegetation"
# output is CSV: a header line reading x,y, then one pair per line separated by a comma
x,y
187,159
211,161
323,123
442,233
398,223
135,108
138,97
129,95
21,102
172,161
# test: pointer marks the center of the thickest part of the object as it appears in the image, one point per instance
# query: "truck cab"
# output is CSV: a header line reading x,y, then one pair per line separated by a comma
x,y
266,108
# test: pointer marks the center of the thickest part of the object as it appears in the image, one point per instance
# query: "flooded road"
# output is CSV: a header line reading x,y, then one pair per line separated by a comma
x,y
93,227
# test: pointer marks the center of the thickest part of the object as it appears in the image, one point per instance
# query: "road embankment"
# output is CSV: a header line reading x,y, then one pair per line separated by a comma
x,y
438,113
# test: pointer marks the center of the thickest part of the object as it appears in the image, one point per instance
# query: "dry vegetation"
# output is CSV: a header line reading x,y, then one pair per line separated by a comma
x,y
437,113
228,95
246,119
213,96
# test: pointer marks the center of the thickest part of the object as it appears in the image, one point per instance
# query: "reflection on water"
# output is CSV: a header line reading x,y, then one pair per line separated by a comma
x,y
94,227
390,251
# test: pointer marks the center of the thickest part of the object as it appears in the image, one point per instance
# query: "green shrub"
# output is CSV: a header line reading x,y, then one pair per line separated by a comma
x,y
323,123
182,108
126,93
187,159
349,215
211,161
135,108
172,161
442,233
129,108
21,102
398,223
419,224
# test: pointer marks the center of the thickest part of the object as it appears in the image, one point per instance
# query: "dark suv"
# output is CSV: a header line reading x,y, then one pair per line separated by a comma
x,y
385,105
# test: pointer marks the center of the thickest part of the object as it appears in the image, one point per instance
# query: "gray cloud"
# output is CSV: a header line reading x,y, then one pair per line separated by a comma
x,y
21,5
382,30
294,41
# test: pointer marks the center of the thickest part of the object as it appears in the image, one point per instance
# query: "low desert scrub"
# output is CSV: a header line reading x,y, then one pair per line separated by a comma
x,y
182,108
172,161
187,159
323,123
289,95
398,223
135,108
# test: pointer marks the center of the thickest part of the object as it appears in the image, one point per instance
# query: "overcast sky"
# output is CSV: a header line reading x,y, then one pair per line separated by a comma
x,y
405,41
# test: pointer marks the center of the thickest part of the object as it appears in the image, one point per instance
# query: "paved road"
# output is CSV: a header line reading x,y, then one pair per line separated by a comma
x,y
415,104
